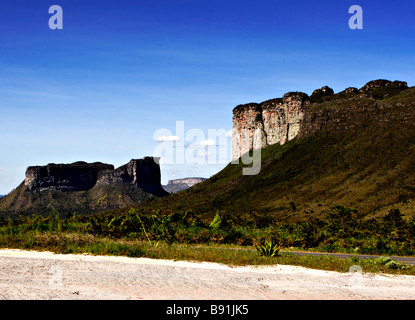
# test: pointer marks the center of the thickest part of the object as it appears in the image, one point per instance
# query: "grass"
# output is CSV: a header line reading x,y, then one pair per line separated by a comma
x,y
69,243
225,239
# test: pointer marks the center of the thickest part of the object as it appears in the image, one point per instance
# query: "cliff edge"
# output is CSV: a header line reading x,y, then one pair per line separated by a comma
x,y
258,125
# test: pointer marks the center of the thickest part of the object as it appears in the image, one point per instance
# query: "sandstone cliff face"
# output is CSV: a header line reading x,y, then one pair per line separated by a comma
x,y
81,176
257,126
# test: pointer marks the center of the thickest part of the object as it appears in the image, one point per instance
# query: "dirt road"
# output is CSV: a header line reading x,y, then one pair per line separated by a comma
x,y
47,276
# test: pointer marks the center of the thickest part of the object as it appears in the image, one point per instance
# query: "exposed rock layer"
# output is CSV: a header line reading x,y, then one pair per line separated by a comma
x,y
258,125
81,176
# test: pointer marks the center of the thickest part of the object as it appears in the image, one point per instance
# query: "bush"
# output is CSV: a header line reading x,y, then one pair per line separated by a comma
x,y
223,220
342,221
389,263
269,249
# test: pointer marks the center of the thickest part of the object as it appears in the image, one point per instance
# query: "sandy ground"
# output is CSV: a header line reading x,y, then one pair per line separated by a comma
x,y
47,276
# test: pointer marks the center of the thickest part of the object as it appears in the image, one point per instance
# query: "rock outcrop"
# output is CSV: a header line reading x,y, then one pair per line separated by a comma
x,y
274,121
258,125
83,187
142,173
78,176
81,176
176,185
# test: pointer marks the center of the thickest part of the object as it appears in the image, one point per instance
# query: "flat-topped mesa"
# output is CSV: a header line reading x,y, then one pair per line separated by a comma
x,y
188,181
177,185
84,188
81,176
258,125
78,176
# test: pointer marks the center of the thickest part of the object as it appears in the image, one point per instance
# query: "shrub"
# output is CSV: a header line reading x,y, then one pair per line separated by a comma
x,y
222,220
389,263
261,220
269,249
342,221
394,218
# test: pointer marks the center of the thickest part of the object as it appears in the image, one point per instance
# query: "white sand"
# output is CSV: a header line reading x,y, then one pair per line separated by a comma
x,y
44,275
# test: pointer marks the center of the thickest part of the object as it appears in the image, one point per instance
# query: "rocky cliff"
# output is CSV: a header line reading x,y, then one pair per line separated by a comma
x,y
177,185
78,176
142,173
84,187
354,148
258,125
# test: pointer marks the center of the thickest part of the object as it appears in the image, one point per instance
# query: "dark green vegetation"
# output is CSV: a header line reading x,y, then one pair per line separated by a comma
x,y
225,239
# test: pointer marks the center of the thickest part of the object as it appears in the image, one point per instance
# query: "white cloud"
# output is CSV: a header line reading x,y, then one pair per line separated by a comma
x,y
203,154
207,143
1,169
167,138
229,134
202,144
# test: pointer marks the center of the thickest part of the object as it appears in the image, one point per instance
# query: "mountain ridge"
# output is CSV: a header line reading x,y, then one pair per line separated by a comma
x,y
356,148
258,125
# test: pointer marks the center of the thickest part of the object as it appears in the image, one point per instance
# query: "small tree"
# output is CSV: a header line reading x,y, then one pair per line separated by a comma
x,y
342,221
394,225
394,218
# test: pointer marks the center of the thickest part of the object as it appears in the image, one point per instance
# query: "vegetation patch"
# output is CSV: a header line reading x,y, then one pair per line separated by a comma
x,y
257,240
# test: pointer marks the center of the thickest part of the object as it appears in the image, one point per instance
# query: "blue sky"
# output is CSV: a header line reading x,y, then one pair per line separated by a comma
x,y
119,71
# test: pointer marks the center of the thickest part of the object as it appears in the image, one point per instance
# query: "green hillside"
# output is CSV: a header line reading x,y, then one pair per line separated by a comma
x,y
361,156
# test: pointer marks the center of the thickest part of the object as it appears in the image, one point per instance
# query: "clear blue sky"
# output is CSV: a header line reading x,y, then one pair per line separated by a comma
x,y
120,70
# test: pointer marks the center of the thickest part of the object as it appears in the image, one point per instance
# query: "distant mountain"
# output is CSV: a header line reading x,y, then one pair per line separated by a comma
x,y
1,196
177,185
83,187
